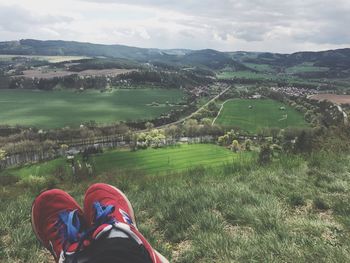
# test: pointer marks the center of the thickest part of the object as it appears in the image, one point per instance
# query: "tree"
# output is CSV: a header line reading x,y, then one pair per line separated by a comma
x,y
235,146
248,144
2,154
206,122
223,140
303,143
191,128
265,155
173,131
149,126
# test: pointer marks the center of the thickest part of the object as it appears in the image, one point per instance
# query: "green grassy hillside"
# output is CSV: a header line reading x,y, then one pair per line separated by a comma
x,y
253,115
294,210
50,109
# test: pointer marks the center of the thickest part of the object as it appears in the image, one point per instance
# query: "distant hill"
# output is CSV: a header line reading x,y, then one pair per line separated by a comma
x,y
339,58
71,48
333,59
212,59
207,58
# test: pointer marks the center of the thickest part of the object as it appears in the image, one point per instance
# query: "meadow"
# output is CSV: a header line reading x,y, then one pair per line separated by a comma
x,y
304,68
260,67
254,115
150,161
246,75
50,109
268,74
293,210
50,59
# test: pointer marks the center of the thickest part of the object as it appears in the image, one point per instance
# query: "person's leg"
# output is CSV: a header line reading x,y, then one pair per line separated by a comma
x,y
108,210
115,247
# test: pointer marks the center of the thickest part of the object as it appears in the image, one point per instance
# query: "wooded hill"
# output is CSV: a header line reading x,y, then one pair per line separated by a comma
x,y
333,59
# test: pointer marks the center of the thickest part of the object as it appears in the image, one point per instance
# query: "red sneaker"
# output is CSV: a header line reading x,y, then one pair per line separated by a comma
x,y
106,208
56,222
99,195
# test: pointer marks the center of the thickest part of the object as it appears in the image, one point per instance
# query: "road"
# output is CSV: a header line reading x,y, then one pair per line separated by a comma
x,y
192,114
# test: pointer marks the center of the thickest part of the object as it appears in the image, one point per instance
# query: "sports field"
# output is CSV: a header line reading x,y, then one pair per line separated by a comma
x,y
54,109
253,115
151,161
168,159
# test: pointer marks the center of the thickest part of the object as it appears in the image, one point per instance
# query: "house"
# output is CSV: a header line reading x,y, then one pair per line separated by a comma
x,y
256,97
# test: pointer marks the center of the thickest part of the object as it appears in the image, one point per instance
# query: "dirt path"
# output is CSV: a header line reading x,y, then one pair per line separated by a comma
x,y
222,106
192,114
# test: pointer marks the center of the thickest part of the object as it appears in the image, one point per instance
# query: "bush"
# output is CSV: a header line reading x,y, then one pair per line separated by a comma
x,y
296,200
8,179
320,204
248,145
265,155
235,146
37,184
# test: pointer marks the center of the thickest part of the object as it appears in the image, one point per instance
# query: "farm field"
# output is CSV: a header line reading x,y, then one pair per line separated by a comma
x,y
57,73
305,67
50,109
265,74
338,99
50,59
246,75
264,113
151,161
260,67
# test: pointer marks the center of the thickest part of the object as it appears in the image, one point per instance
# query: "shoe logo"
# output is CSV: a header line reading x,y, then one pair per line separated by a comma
x,y
126,217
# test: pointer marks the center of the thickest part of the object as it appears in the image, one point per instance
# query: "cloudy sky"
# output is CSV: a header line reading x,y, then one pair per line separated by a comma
x,y
227,25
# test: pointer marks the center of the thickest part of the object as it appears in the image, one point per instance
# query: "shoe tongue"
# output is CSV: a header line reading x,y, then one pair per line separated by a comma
x,y
104,228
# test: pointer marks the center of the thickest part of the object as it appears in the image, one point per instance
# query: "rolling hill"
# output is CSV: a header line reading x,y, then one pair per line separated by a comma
x,y
208,58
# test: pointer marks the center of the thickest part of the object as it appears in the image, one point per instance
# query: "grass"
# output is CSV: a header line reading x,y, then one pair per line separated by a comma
x,y
294,210
150,161
170,159
305,68
260,67
246,75
266,75
49,109
265,113
50,59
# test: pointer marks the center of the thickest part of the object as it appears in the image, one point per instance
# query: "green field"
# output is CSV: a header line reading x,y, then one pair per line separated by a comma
x,y
265,113
50,59
268,76
169,159
305,68
150,161
260,67
246,75
54,109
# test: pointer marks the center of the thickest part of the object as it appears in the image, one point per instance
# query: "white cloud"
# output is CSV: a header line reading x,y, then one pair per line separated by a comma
x,y
261,25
